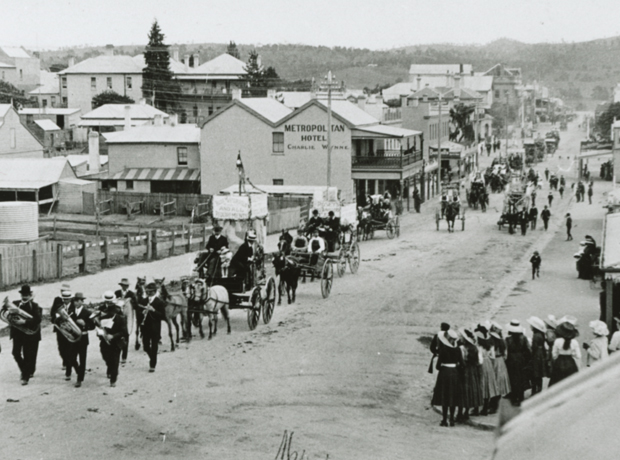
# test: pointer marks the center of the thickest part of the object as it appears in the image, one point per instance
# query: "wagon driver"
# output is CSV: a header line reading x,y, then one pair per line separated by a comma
x,y
241,263
215,246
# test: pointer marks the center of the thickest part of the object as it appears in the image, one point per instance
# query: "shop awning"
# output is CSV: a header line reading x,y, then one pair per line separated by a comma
x,y
167,174
610,252
383,131
450,146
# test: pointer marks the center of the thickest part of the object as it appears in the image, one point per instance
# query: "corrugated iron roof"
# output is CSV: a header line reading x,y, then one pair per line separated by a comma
x,y
117,111
166,134
224,64
267,107
4,108
181,174
15,51
439,69
47,125
351,113
391,131
47,111
49,84
105,64
30,173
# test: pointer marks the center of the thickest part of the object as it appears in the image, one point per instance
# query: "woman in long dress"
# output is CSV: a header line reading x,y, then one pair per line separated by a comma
x,y
471,391
597,348
539,354
488,383
566,353
551,323
499,366
449,364
518,362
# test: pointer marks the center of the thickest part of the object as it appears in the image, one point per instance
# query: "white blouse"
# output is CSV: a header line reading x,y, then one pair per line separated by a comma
x,y
573,350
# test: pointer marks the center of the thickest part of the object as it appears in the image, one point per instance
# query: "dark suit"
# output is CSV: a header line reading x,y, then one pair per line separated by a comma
x,y
213,263
240,263
128,294
111,353
63,343
313,223
151,329
77,350
26,347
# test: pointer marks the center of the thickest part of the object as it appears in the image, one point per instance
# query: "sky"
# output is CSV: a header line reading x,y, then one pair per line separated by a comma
x,y
378,24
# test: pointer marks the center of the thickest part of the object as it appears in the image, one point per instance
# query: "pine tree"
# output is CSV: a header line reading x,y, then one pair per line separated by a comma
x,y
158,85
232,50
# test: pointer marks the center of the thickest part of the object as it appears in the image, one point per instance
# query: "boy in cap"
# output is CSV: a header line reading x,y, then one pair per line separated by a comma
x,y
25,346
535,260
62,301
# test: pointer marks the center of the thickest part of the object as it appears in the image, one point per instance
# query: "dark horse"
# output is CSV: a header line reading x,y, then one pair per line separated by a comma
x,y
287,271
452,211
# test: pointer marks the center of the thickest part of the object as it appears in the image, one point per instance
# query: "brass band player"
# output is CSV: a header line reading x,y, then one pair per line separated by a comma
x,y
25,346
113,334
77,351
125,293
155,312
62,301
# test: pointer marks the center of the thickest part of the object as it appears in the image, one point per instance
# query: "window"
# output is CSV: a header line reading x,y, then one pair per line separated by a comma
x,y
93,83
21,74
210,110
497,94
64,82
109,82
128,185
13,138
195,111
182,156
278,182
278,142
53,98
129,83
64,101
44,101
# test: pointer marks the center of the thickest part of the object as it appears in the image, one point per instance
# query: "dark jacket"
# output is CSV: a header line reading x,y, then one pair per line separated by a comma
x,y
545,214
56,305
533,213
84,315
217,243
314,222
240,259
152,322
118,331
569,222
129,294
535,260
33,309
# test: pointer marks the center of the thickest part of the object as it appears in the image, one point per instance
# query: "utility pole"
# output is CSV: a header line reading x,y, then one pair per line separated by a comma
x,y
506,133
439,148
329,85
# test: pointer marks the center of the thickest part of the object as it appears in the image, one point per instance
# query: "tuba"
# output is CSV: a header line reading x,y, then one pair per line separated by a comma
x,y
67,326
9,313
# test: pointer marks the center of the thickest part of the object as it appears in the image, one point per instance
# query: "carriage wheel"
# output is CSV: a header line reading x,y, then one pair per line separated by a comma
x,y
397,226
437,219
254,311
269,302
327,278
354,258
341,263
390,230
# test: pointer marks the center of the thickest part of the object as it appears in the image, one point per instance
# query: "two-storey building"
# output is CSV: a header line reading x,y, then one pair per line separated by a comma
x,y
19,68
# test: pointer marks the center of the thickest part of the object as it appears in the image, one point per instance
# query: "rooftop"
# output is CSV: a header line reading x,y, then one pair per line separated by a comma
x,y
224,64
77,160
267,107
351,113
47,125
106,64
47,111
49,84
166,134
14,52
117,112
4,108
439,69
31,173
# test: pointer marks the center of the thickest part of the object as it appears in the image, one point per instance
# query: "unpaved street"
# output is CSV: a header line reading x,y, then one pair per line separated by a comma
x,y
347,375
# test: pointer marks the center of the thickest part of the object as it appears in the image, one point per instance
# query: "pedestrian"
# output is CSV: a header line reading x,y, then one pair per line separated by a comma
x,y
533,217
488,381
62,301
523,221
590,193
25,332
565,352
155,313
535,260
533,197
417,200
561,190
471,391
547,174
112,332
78,350
562,181
551,323
550,198
499,366
124,293
539,357
449,364
569,225
614,344
434,345
518,361
545,215
596,349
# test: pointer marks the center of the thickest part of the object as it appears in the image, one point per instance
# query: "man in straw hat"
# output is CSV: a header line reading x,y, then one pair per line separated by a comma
x,y
62,301
215,246
78,350
597,348
112,334
539,354
25,346
122,294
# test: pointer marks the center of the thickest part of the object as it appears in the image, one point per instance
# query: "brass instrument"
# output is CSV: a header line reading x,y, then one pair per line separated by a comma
x,y
9,313
67,327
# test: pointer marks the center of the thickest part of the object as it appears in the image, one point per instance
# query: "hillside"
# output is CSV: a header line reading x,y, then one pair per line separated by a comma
x,y
571,70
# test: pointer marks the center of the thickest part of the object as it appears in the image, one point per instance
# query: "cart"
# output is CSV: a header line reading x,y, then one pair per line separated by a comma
x,y
450,192
323,269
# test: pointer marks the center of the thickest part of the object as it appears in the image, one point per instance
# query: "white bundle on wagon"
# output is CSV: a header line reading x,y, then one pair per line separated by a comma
x,y
239,213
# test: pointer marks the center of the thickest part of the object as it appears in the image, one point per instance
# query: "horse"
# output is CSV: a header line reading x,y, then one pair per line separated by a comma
x,y
452,211
176,304
209,301
288,272
364,226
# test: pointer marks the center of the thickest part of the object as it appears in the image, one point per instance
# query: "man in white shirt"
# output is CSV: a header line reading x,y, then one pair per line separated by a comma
x,y
316,246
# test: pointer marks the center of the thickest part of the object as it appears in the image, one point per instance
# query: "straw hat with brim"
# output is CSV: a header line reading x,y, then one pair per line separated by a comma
x,y
252,236
551,321
495,325
566,331
468,336
537,323
443,337
108,295
480,335
568,319
599,328
514,327
495,334
65,287
66,294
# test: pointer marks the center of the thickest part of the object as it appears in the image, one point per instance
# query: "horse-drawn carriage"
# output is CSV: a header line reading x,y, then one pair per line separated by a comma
x,y
450,207
378,215
477,193
516,202
552,140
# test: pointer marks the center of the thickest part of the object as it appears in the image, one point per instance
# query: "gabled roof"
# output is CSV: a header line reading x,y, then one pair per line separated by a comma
x,y
462,93
175,66
4,65
439,69
224,64
14,52
117,112
77,160
31,173
294,99
47,125
105,64
351,113
4,108
267,107
179,134
47,111
427,91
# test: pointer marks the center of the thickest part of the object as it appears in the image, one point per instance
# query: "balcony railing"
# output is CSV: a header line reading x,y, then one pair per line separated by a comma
x,y
386,159
392,114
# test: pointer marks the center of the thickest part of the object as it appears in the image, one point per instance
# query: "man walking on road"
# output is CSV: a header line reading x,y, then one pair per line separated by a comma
x,y
590,192
561,190
535,260
523,220
550,198
545,215
547,174
569,225
533,217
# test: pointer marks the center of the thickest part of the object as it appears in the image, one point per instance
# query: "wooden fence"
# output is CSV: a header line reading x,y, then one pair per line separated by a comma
x,y
283,219
152,201
24,263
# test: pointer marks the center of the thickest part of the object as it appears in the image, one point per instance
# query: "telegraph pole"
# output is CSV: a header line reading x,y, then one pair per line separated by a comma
x,y
439,148
329,85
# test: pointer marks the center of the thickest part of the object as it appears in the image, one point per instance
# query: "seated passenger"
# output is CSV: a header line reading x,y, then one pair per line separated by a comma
x,y
316,246
314,222
301,242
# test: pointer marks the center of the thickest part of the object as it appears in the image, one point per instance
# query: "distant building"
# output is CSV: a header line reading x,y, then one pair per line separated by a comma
x,y
16,141
19,68
505,83
48,91
80,165
66,119
616,96
117,117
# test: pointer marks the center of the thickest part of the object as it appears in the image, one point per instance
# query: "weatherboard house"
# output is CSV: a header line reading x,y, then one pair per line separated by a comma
x,y
282,146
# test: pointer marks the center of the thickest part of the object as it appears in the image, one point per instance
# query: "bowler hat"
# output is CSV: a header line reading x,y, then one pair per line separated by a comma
x,y
25,290
79,296
151,287
124,282
217,228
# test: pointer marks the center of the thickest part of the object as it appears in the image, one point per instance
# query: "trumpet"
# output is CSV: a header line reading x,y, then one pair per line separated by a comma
x,y
67,326
10,313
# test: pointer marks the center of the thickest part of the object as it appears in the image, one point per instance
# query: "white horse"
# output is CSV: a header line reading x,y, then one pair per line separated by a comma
x,y
210,301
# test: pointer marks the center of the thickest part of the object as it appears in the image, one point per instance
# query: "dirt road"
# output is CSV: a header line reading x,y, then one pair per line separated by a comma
x,y
347,375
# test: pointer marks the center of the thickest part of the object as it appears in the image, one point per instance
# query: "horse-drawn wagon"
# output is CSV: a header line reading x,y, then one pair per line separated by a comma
x,y
450,208
378,215
477,193
516,202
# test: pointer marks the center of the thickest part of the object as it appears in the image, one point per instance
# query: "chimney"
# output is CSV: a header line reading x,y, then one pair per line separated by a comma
x,y
196,60
109,50
271,93
236,93
174,119
419,80
71,61
461,67
157,120
186,62
127,124
361,101
448,79
175,54
93,152
457,81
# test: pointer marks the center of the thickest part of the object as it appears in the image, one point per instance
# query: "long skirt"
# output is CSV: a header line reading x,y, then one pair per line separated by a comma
x,y
488,382
501,375
562,367
471,390
447,388
518,372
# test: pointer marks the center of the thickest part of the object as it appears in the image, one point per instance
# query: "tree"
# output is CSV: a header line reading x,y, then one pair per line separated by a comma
x,y
9,93
232,50
460,115
256,72
271,77
110,97
606,118
158,86
600,93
